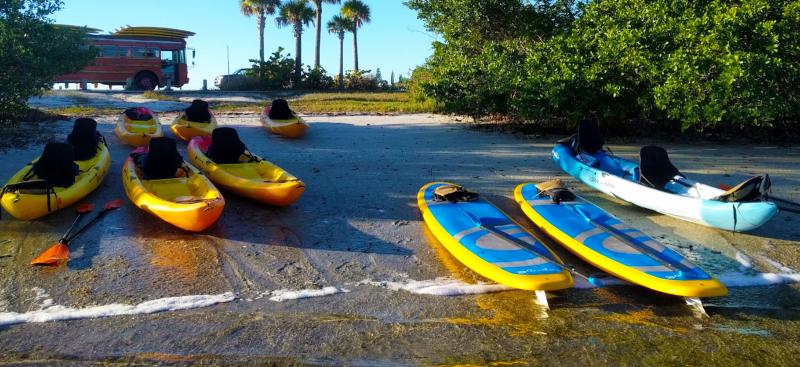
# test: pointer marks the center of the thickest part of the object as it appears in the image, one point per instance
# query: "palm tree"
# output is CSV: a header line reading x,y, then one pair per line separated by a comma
x,y
358,12
340,25
318,7
296,13
259,8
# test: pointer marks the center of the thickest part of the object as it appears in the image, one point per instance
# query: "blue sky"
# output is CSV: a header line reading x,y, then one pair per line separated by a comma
x,y
395,40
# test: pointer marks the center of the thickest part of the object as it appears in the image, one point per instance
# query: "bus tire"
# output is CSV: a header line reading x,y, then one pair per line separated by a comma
x,y
145,80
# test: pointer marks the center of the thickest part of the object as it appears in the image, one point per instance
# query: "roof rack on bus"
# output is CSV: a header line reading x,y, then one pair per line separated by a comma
x,y
154,32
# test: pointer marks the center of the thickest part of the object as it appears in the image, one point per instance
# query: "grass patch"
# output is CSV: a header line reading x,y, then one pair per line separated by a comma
x,y
159,96
83,111
362,103
342,103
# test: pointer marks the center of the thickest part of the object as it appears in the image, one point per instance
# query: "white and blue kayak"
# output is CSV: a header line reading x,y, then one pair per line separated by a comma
x,y
678,196
609,244
490,243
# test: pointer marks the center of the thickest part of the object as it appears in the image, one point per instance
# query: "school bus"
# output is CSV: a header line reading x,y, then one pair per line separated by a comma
x,y
145,57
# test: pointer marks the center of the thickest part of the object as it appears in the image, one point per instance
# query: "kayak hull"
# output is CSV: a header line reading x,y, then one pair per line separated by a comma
x,y
190,203
26,206
614,247
700,208
186,130
138,133
290,128
487,253
260,180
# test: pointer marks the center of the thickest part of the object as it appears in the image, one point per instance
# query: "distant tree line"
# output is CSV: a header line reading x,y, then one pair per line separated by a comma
x,y
692,63
276,71
33,51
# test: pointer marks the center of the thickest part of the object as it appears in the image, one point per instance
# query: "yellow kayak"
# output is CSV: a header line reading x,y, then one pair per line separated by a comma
x,y
31,203
290,128
191,203
138,133
252,177
187,130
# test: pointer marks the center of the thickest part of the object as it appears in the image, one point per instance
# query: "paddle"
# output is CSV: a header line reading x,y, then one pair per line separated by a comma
x,y
775,199
59,252
60,246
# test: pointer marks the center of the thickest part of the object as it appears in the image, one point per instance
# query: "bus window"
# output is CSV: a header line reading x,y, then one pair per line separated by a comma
x,y
138,52
181,56
166,58
152,52
108,51
124,52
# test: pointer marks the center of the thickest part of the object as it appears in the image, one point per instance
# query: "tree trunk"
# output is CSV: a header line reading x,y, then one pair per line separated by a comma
x,y
341,61
355,47
298,58
262,23
319,30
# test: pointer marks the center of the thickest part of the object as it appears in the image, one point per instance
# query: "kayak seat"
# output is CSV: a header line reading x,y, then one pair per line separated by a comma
x,y
161,161
57,165
139,114
226,147
280,110
84,138
752,189
655,168
198,112
589,139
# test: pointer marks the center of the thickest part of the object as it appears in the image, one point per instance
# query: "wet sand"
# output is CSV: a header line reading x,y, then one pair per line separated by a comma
x,y
357,226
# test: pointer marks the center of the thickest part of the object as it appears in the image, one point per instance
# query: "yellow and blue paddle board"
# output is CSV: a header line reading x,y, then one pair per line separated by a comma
x,y
614,247
490,243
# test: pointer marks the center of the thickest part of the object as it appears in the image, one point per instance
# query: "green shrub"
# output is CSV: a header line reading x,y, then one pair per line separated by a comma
x,y
695,64
33,51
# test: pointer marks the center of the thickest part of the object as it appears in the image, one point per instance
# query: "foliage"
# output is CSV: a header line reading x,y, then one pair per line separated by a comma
x,y
33,51
277,71
697,64
317,79
359,80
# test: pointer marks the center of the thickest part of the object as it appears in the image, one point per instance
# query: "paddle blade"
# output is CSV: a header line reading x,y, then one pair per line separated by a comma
x,y
84,208
54,256
113,204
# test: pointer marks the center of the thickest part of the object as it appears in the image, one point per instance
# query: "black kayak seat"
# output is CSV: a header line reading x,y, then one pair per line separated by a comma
x,y
226,147
162,159
139,113
84,138
57,165
655,168
589,139
198,112
280,110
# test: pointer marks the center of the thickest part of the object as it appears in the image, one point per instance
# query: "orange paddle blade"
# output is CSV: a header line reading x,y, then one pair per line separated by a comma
x,y
53,256
113,204
84,208
725,187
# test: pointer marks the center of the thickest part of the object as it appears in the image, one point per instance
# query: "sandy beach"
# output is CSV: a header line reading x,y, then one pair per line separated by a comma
x,y
350,275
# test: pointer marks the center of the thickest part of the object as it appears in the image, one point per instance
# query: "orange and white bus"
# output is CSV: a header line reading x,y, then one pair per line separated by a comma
x,y
144,58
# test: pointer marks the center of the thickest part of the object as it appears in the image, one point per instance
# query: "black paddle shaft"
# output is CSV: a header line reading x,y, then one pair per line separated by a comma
x,y
89,224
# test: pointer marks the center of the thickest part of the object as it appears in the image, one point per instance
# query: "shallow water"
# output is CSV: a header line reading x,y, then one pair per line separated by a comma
x,y
378,288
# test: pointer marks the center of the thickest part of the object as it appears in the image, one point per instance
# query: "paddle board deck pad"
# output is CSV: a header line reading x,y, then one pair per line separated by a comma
x,y
490,243
681,198
606,242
